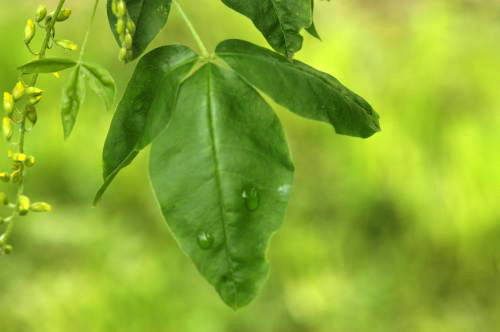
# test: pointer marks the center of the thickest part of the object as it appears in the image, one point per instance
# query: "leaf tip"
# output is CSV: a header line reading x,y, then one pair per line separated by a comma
x,y
99,193
236,294
96,200
67,133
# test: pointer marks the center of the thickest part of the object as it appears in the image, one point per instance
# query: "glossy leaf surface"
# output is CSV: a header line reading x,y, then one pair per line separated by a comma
x,y
72,99
46,65
300,88
149,16
222,174
146,106
101,82
279,21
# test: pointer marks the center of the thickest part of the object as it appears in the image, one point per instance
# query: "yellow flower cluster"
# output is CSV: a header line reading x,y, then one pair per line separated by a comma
x,y
19,111
40,16
125,27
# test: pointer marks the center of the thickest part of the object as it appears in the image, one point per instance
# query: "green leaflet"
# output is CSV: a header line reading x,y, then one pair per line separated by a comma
x,y
145,108
279,21
72,99
312,29
46,65
301,88
149,16
222,174
101,82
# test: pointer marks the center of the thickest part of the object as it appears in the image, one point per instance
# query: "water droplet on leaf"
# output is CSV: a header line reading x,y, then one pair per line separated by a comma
x,y
252,198
284,189
205,240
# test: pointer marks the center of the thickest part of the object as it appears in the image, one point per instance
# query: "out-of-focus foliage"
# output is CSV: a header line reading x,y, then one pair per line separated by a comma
x,y
400,232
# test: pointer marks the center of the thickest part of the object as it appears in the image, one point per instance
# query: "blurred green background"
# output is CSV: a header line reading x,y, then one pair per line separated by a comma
x,y
400,232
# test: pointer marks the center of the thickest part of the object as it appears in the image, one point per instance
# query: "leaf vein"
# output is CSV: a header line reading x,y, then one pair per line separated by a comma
x,y
281,27
215,160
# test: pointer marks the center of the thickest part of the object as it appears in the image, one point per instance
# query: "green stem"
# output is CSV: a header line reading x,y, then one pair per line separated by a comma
x,y
41,55
22,130
195,34
87,34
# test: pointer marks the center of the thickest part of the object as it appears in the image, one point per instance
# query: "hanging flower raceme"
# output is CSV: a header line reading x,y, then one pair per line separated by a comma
x,y
125,28
19,116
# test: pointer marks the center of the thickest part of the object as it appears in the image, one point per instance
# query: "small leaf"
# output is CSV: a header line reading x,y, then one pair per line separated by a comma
x,y
149,16
313,32
279,21
222,174
145,108
46,65
312,29
301,88
72,99
101,82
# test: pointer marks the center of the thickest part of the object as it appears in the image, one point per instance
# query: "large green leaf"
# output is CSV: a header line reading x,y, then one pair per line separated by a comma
x,y
279,21
101,82
72,99
149,16
146,107
222,174
301,88
46,65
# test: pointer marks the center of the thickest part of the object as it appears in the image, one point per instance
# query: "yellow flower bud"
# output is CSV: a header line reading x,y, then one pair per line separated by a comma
x,y
64,15
122,55
23,205
35,100
15,177
56,74
32,91
8,102
31,114
120,26
29,31
7,128
67,44
4,176
4,199
131,26
40,207
41,12
121,8
30,161
19,157
128,41
114,8
18,91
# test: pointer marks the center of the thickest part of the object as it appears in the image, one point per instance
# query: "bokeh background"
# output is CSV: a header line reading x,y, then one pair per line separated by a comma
x,y
400,232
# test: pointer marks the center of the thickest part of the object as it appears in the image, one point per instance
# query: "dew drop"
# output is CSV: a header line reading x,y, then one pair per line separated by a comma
x,y
252,198
205,240
284,189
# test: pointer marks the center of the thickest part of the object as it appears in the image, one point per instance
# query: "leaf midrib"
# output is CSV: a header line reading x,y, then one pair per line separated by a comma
x,y
339,87
292,68
215,161
281,27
